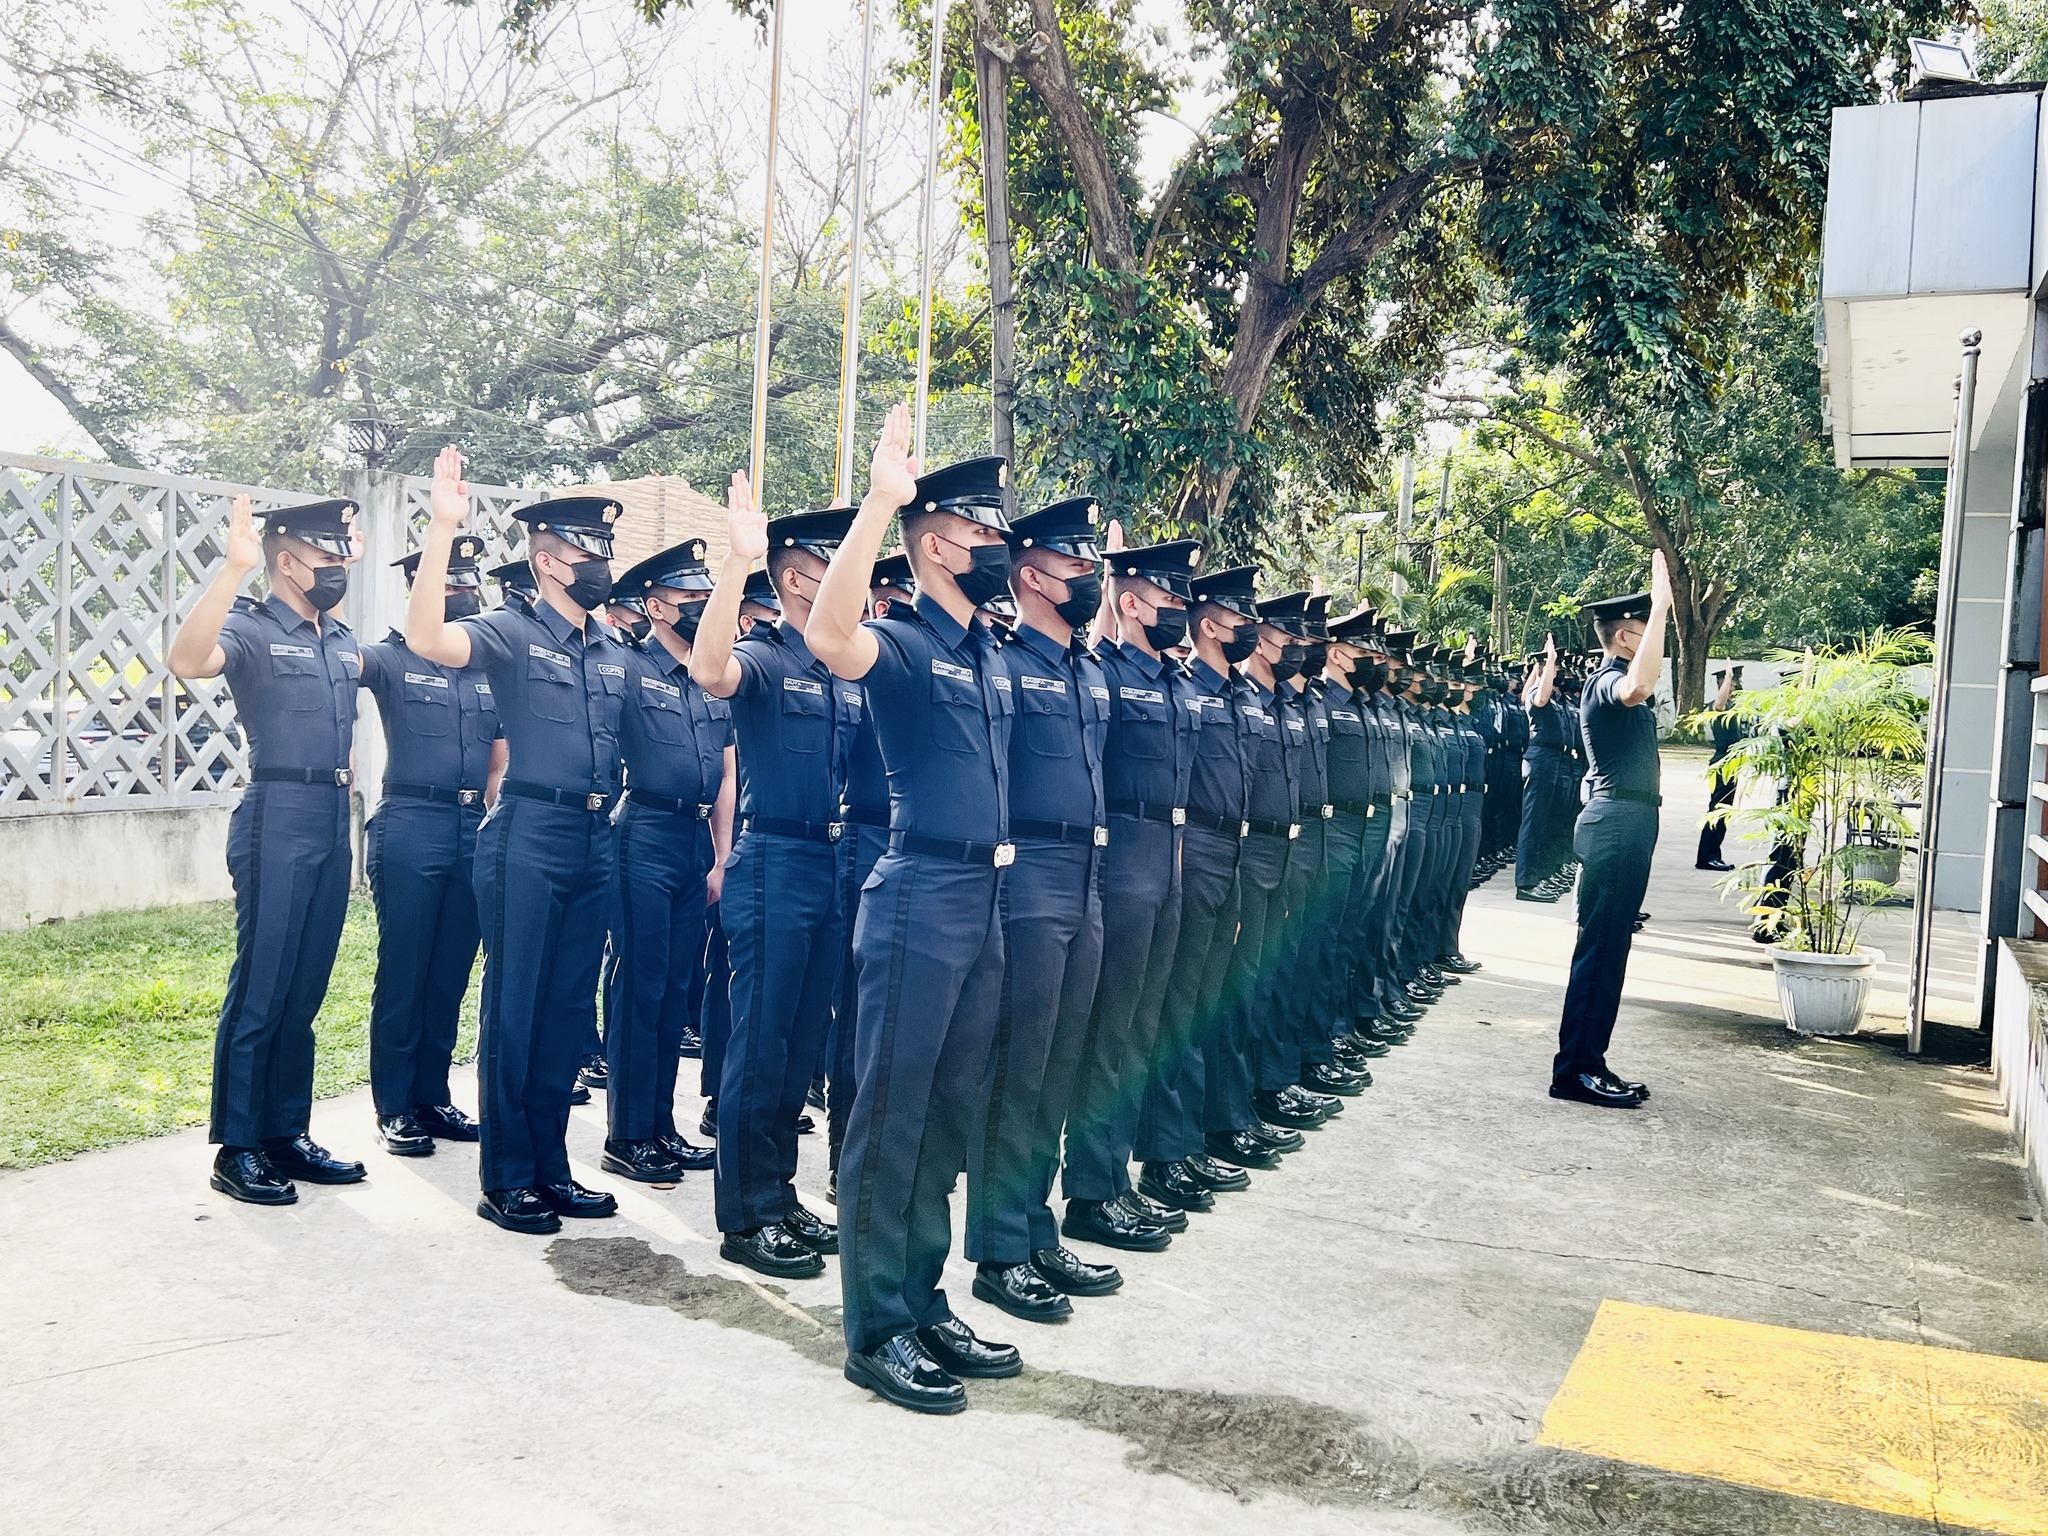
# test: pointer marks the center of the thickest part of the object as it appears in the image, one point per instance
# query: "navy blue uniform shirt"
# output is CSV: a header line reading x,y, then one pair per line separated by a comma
x,y
1389,746
1350,754
1272,792
1314,764
1216,782
1423,761
1548,734
439,722
559,690
795,730
1621,739
1062,704
294,685
674,734
941,700
1151,743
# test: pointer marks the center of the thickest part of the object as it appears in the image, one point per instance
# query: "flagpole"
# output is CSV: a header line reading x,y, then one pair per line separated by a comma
x,y
930,222
849,348
758,464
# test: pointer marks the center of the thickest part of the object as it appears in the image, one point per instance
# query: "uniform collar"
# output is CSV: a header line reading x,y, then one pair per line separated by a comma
x,y
1336,693
1042,645
793,637
555,624
949,629
282,612
1207,676
1152,666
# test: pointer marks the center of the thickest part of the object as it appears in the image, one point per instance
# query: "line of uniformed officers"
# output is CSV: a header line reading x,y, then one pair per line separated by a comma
x,y
1043,856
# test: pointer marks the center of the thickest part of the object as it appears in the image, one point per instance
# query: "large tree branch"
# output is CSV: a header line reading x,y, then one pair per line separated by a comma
x,y
24,352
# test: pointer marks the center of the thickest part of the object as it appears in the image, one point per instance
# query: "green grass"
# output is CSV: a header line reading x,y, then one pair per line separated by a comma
x,y
106,1025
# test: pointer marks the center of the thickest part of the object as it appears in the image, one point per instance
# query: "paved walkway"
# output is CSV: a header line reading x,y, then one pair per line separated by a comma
x,y
1368,1340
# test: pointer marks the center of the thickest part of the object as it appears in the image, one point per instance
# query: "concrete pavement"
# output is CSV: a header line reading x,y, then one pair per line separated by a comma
x,y
1367,1340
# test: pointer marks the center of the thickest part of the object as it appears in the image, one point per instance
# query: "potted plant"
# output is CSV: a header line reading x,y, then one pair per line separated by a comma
x,y
1840,745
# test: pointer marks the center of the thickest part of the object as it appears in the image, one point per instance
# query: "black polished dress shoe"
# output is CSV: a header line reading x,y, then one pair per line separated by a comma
x,y
1401,1010
245,1174
519,1210
569,1198
805,1125
692,1046
404,1136
1432,976
1278,1109
903,1373
772,1251
1330,1078
1174,1184
707,1124
1021,1291
1642,921
1535,893
595,1072
1640,1090
1327,1105
1366,1046
816,1235
301,1157
1718,866
644,1162
1171,1218
1065,1270
578,1094
688,1155
1275,1138
444,1122
1213,1175
815,1097
1241,1149
1418,995
1594,1088
956,1349
832,1186
1457,964
1114,1225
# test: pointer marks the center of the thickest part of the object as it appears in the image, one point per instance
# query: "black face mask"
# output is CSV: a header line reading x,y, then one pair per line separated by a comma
x,y
461,605
688,617
1369,676
988,578
1241,644
639,626
1168,628
1289,664
593,584
330,586
1316,656
1084,596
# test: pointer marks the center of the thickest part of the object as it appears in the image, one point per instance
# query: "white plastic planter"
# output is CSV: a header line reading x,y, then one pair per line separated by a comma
x,y
1823,994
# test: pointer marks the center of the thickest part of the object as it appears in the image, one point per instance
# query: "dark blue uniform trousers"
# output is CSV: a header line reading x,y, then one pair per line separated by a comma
x,y
1232,1057
1323,1015
1472,821
714,1021
1614,843
543,882
785,931
1140,924
1407,879
420,862
1546,795
1170,1122
859,851
657,930
1351,958
1282,1010
288,855
1372,980
928,944
1052,948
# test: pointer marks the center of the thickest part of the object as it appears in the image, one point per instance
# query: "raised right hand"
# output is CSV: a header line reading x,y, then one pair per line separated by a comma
x,y
746,529
450,496
245,544
1660,580
1550,647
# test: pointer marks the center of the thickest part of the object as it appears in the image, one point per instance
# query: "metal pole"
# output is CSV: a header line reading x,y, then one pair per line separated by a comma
x,y
1937,727
849,347
758,464
929,223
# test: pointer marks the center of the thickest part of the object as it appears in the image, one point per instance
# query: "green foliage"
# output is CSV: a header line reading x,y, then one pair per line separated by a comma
x,y
1843,742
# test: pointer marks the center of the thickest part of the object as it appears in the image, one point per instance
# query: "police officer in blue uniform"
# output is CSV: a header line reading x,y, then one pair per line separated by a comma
x,y
1390,999
674,827
1472,753
293,669
1354,848
444,756
784,925
1052,931
1146,763
515,581
1617,833
1364,649
545,854
928,941
1549,781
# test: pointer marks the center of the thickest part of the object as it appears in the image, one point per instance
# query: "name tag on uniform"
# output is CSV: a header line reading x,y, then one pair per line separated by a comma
x,y
483,690
291,650
1344,714
656,685
1002,683
947,669
426,679
1099,693
1043,685
853,698
606,669
353,658
1152,696
1257,714
1296,726
803,685
542,653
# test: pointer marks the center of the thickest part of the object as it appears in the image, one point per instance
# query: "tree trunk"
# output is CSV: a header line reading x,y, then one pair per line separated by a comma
x,y
991,98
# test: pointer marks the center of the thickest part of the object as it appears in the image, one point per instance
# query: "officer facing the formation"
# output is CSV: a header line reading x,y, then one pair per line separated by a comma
x,y
1616,836
293,670
545,854
674,829
1052,931
1550,782
1146,760
444,756
928,942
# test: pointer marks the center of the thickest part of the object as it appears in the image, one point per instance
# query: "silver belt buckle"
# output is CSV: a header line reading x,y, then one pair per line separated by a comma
x,y
468,796
834,830
1180,816
344,777
1293,830
1329,811
1006,855
1102,837
1369,810
594,801
1244,829
704,812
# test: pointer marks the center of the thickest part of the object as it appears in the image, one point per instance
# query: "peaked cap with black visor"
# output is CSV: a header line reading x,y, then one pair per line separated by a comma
x,y
1636,605
1170,566
1288,611
1066,528
972,489
679,568
515,576
1235,588
462,562
323,524
819,532
584,521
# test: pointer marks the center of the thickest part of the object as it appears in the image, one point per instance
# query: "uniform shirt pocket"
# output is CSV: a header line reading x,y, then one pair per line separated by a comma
x,y
297,678
1045,714
1144,722
661,712
551,685
806,715
958,721
428,705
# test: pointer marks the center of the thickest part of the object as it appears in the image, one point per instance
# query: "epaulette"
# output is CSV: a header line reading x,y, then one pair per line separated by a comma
x,y
247,604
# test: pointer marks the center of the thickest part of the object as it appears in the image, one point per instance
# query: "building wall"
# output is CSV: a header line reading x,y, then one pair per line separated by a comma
x,y
75,865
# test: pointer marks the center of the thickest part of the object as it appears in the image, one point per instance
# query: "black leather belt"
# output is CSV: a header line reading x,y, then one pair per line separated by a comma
x,y
1001,855
1274,828
1147,810
335,776
696,808
854,816
1633,797
808,831
1229,826
437,793
1081,834
1357,807
582,799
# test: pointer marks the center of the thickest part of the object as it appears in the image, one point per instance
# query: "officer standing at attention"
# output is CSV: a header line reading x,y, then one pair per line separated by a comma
x,y
1372,669
1146,762
1616,836
674,830
444,756
1354,847
545,854
515,582
1726,732
1469,751
928,941
1052,930
293,671
784,926
1547,780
